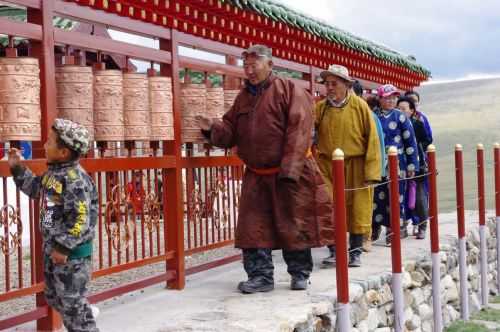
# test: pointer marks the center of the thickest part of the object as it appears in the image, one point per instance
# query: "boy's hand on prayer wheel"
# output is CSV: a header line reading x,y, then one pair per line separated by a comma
x,y
203,122
14,158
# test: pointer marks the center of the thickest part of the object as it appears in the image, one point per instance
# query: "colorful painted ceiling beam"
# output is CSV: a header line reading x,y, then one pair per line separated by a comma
x,y
293,36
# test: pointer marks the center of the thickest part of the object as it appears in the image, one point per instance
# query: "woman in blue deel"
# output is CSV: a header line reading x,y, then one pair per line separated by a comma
x,y
398,132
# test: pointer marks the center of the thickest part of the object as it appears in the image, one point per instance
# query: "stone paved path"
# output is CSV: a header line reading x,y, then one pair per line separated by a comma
x,y
210,301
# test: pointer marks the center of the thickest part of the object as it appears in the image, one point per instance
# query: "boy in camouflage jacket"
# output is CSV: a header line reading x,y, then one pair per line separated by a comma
x,y
68,215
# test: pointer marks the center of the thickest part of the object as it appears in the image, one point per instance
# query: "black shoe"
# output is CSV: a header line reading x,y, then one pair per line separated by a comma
x,y
376,230
299,284
421,230
388,237
404,232
332,259
355,259
421,233
255,285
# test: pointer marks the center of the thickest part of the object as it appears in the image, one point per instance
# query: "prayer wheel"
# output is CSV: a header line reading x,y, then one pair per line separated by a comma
x,y
215,103
229,98
20,115
75,99
162,119
136,107
109,124
193,103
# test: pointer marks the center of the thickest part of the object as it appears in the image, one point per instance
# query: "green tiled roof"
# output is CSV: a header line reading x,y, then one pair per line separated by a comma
x,y
279,12
19,14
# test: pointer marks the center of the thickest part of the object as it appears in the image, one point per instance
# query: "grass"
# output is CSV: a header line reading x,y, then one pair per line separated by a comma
x,y
461,326
457,113
492,315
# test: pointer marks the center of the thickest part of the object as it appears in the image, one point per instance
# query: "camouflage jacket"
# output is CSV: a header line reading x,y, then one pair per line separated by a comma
x,y
68,204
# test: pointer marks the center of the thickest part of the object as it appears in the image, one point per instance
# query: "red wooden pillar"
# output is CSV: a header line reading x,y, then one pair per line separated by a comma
x,y
462,250
497,207
340,220
434,225
44,51
172,178
483,253
397,281
231,83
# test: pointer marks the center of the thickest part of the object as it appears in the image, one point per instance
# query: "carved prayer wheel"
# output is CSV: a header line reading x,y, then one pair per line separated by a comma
x,y
20,114
162,119
215,103
108,106
229,98
193,103
136,107
75,98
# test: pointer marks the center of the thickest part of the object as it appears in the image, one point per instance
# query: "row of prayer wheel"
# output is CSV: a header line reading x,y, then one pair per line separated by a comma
x,y
133,106
114,106
197,99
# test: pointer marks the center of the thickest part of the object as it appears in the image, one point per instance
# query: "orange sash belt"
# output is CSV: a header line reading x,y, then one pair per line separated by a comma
x,y
273,170
265,171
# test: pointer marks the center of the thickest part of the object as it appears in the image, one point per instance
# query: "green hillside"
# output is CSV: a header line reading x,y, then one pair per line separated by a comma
x,y
466,113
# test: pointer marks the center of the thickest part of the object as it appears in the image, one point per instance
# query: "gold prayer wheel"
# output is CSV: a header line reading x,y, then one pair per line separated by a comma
x,y
109,124
20,115
75,99
193,103
229,98
136,107
162,118
215,103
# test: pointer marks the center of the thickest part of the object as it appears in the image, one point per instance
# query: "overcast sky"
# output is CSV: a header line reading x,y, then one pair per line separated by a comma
x,y
453,38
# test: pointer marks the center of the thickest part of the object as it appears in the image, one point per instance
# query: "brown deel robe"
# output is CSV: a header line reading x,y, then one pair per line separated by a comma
x,y
274,129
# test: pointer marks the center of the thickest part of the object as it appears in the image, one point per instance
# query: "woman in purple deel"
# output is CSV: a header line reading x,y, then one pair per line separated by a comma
x,y
419,212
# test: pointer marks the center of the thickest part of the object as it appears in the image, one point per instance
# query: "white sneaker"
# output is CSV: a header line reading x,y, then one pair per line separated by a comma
x,y
95,311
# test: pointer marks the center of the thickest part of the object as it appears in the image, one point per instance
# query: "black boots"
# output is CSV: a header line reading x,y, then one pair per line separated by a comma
x,y
356,243
355,250
331,259
254,285
299,283
421,230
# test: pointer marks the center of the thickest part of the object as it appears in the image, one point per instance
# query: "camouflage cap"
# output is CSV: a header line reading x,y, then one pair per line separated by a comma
x,y
73,134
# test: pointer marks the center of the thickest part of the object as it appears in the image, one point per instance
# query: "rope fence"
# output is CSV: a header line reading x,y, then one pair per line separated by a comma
x,y
342,252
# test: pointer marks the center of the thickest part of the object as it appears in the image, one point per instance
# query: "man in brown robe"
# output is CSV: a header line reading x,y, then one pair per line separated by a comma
x,y
284,200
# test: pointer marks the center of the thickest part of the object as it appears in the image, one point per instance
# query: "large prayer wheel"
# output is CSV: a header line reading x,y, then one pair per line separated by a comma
x,y
162,119
75,99
136,107
193,103
215,103
20,114
109,124
229,98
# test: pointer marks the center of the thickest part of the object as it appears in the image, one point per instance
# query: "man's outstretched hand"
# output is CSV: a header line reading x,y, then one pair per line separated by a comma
x,y
203,122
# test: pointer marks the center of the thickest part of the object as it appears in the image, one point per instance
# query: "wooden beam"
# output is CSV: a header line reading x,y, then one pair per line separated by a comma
x,y
89,15
107,45
21,29
36,4
216,68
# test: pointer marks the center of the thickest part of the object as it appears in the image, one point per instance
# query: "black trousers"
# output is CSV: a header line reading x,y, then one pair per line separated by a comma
x,y
258,263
